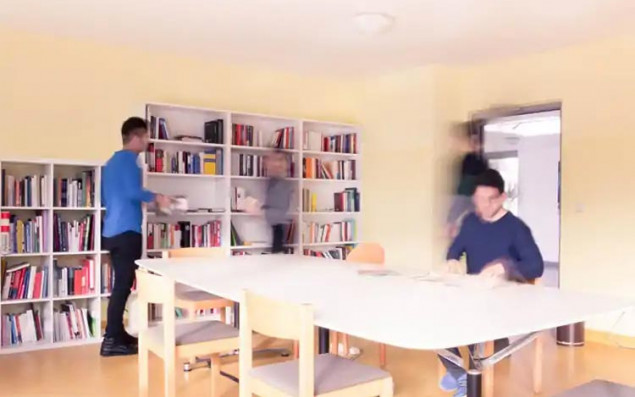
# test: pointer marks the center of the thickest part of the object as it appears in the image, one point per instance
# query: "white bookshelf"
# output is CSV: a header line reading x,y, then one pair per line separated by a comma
x,y
215,191
202,191
46,305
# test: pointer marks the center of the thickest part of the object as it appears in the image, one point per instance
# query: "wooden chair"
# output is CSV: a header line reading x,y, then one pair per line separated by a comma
x,y
370,253
488,374
322,375
193,301
170,340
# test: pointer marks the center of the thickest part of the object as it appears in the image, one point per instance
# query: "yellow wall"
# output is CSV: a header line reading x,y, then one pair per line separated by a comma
x,y
596,84
66,99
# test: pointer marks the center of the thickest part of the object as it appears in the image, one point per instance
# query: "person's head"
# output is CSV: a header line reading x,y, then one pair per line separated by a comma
x,y
276,164
134,133
489,194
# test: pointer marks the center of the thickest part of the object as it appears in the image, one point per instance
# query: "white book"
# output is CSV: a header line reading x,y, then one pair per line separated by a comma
x,y
314,140
73,317
91,274
63,290
31,285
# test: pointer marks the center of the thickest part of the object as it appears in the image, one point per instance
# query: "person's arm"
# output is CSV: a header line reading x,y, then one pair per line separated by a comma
x,y
132,184
457,248
528,264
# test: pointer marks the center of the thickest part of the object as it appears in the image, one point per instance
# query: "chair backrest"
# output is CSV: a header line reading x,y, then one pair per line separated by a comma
x,y
367,253
197,252
281,320
152,288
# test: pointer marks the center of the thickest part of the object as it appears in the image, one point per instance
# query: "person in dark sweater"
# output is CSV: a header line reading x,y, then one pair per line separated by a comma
x,y
472,165
497,244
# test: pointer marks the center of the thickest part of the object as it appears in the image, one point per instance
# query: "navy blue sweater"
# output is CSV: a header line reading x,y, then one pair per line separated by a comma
x,y
122,194
508,241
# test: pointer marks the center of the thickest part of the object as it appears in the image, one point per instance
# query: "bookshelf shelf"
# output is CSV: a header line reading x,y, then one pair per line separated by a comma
x,y
329,213
259,178
318,180
172,142
22,301
312,153
259,149
74,297
329,243
26,254
18,208
81,209
188,214
76,253
175,175
260,246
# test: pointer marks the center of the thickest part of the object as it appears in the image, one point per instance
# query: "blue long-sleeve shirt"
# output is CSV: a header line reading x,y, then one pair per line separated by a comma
x,y
122,194
507,241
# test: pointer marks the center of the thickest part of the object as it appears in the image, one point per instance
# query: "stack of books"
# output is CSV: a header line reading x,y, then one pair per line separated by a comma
x,y
24,281
72,323
209,162
30,191
22,328
73,236
78,192
329,232
183,234
314,168
75,280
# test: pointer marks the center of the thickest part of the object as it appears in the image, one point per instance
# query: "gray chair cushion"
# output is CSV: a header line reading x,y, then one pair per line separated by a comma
x,y
331,373
600,388
183,292
196,332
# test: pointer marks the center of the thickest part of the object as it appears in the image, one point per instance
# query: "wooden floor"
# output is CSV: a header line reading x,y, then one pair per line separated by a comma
x,y
79,372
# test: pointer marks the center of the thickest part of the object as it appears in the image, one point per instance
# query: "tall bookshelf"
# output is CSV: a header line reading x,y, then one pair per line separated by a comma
x,y
31,195
304,144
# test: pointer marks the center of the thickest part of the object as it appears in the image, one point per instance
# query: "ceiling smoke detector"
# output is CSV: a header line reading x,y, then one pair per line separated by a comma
x,y
374,22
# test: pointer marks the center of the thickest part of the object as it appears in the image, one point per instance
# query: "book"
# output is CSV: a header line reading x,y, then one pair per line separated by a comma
x,y
78,279
25,281
73,236
71,322
214,131
314,168
332,253
183,234
22,328
343,231
209,162
28,235
76,192
29,191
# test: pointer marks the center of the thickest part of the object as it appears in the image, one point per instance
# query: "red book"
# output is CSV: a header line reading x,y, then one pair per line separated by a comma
x,y
77,282
37,293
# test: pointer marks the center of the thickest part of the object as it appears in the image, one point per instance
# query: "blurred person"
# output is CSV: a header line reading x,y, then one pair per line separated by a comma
x,y
278,197
472,164
123,195
497,244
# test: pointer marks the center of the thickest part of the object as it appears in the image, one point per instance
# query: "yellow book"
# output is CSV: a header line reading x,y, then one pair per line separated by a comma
x,y
313,202
209,163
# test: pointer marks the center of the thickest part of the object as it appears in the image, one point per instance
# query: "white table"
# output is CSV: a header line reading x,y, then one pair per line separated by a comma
x,y
395,310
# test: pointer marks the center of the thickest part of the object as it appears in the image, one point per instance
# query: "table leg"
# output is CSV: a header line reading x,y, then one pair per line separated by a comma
x,y
474,384
236,315
323,340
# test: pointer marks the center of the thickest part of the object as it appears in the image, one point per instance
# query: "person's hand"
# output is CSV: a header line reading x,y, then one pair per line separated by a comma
x,y
454,267
493,270
163,201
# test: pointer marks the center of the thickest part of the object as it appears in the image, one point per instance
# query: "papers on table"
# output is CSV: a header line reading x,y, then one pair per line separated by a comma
x,y
453,280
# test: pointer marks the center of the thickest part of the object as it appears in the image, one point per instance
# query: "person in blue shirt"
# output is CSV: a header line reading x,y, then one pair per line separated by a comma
x,y
123,195
496,244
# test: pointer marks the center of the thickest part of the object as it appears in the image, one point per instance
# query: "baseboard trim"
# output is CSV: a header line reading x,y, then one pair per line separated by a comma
x,y
608,338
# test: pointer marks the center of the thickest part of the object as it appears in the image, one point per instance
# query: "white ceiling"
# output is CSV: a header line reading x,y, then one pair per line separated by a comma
x,y
320,36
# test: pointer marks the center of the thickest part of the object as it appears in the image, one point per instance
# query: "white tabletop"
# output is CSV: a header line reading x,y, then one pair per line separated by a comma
x,y
396,310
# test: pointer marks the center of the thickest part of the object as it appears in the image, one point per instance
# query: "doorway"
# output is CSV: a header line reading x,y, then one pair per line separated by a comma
x,y
525,149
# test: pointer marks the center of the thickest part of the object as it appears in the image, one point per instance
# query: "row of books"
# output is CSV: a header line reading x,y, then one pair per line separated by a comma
x,y
345,201
75,192
333,253
183,234
29,191
337,169
75,280
246,135
209,162
22,328
238,241
341,143
24,281
159,128
315,232
74,235
72,323
254,165
20,236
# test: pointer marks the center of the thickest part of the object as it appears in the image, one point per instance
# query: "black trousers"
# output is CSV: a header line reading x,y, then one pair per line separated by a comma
x,y
277,245
124,249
